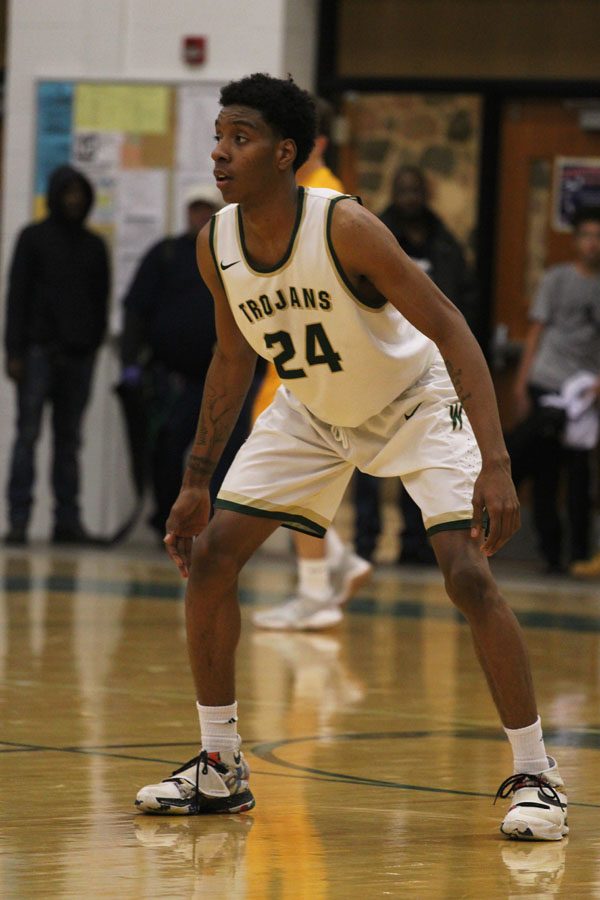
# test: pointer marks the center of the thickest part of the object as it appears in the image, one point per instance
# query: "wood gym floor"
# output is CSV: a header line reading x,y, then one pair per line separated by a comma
x,y
374,748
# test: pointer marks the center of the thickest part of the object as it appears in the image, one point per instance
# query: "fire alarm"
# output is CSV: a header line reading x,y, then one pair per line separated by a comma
x,y
194,50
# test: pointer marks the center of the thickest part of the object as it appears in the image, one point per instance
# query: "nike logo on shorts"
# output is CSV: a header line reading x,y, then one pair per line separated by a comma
x,y
229,265
408,416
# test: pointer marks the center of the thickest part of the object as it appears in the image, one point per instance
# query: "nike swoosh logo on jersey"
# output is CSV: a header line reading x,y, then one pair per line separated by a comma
x,y
408,416
229,265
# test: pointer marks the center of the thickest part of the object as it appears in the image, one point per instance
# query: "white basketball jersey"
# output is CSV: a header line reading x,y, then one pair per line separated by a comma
x,y
344,359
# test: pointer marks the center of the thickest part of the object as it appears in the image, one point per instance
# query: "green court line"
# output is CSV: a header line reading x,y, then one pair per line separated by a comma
x,y
266,752
367,606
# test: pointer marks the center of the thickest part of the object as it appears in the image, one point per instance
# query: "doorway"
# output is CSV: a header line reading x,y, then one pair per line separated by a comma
x,y
540,140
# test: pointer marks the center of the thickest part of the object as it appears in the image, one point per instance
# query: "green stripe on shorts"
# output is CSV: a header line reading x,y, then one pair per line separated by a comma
x,y
457,525
287,520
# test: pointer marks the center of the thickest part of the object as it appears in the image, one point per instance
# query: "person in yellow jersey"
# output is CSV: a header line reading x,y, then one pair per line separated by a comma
x,y
380,373
329,573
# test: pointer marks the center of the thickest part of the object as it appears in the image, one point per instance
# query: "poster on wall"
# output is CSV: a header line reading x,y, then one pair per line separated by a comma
x,y
141,145
576,184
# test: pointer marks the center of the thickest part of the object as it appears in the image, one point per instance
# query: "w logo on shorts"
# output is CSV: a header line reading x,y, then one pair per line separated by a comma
x,y
456,410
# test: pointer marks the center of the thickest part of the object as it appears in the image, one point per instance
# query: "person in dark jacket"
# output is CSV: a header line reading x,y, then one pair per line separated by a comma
x,y
425,238
57,307
168,339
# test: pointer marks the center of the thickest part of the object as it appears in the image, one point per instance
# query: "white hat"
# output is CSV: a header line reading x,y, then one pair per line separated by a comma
x,y
204,193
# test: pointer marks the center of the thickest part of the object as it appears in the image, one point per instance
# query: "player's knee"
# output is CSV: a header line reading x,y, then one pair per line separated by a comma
x,y
470,586
213,563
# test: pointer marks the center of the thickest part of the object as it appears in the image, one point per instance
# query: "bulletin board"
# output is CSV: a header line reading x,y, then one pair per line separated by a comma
x,y
142,145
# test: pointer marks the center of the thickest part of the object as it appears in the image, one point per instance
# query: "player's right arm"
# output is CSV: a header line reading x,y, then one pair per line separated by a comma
x,y
227,382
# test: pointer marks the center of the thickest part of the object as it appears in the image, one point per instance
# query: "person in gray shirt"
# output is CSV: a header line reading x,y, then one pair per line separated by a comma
x,y
563,339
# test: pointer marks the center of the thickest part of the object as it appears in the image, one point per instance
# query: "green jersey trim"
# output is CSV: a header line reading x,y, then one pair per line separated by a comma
x,y
288,520
211,241
270,270
370,304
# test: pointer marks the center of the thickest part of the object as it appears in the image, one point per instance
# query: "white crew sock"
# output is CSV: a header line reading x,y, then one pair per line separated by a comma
x,y
528,748
313,578
334,548
218,727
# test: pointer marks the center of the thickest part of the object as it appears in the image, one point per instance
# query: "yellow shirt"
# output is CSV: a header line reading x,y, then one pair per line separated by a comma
x,y
322,177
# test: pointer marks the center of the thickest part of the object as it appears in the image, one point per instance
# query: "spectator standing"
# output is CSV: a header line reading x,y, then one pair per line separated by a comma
x,y
425,238
563,341
56,319
169,337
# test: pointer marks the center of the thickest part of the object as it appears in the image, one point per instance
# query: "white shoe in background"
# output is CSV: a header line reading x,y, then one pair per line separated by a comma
x,y
348,576
299,614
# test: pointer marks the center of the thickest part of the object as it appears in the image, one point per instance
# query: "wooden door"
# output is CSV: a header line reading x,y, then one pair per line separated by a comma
x,y
534,134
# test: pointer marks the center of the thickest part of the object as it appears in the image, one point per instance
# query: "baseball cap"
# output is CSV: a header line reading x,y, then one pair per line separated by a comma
x,y
204,193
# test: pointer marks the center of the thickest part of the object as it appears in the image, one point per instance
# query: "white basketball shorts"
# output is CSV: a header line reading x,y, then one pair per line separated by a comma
x,y
295,468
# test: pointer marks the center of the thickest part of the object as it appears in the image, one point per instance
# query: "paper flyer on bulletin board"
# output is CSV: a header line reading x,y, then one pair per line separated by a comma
x,y
136,108
576,184
140,144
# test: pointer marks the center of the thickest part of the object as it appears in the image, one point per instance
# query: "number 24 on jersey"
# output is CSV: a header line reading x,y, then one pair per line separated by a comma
x,y
318,350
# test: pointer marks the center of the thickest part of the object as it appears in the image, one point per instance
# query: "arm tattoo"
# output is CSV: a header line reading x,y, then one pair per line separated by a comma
x,y
456,379
200,465
218,415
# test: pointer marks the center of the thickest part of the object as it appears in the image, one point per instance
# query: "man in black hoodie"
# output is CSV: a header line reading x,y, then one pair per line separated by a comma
x,y
425,238
56,319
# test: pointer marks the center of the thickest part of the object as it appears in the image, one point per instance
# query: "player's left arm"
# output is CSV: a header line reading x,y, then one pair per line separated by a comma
x,y
367,250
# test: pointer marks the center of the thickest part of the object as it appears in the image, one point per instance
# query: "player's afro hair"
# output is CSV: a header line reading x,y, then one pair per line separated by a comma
x,y
288,109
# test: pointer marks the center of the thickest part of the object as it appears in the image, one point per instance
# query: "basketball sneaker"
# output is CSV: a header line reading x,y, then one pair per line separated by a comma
x,y
208,783
539,806
350,573
300,613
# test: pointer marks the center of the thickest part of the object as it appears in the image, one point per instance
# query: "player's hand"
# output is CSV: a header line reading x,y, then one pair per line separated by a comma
x,y
189,517
494,496
15,368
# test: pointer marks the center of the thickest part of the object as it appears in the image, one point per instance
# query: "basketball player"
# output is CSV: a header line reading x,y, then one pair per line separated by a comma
x,y
380,372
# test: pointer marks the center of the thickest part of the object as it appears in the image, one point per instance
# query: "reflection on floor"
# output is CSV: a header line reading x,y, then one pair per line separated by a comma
x,y
375,750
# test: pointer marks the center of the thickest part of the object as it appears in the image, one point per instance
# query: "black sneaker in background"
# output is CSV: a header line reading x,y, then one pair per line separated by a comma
x,y
16,536
74,534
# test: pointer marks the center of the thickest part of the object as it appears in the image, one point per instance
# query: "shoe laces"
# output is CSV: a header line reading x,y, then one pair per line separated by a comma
x,y
201,762
515,782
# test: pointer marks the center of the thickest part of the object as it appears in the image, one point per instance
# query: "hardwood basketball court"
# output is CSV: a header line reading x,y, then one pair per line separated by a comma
x,y
374,748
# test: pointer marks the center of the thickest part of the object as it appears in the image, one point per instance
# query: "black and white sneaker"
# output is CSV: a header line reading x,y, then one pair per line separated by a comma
x,y
208,783
539,806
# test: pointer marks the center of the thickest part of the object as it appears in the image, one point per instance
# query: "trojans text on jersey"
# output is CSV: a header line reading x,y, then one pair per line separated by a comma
x,y
289,298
